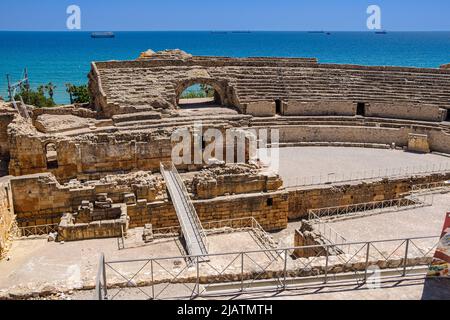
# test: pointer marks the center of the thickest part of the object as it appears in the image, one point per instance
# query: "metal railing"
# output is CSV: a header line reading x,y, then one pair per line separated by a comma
x,y
187,203
252,271
374,207
436,186
38,230
329,234
101,290
121,239
213,227
192,211
381,173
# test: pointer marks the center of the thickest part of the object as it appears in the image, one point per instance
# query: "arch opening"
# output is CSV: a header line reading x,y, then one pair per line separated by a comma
x,y
51,156
199,95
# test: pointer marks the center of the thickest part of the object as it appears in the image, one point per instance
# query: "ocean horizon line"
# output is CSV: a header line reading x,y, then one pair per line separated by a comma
x,y
230,30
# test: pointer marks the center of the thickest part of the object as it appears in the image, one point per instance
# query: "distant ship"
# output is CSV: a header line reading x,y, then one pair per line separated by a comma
x,y
321,32
102,35
381,32
238,31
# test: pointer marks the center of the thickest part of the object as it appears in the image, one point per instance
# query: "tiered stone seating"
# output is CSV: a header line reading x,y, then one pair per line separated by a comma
x,y
153,84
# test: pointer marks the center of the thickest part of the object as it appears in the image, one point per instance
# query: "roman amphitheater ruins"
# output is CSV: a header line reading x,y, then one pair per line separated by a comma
x,y
360,180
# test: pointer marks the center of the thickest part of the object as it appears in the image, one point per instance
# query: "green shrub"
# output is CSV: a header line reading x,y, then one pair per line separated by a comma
x,y
205,91
78,94
193,94
35,97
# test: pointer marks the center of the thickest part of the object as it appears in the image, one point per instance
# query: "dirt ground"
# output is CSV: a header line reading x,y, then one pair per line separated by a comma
x,y
298,165
36,264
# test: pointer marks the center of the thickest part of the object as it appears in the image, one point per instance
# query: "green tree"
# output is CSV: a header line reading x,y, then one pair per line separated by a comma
x,y
207,89
78,94
50,87
36,98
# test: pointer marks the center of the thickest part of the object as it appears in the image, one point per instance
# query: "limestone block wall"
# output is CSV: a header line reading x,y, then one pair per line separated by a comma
x,y
27,155
6,212
88,159
93,230
418,143
319,108
94,156
269,209
303,199
40,199
118,86
74,110
260,108
70,231
355,134
422,111
234,183
439,141
98,96
303,238
438,138
5,120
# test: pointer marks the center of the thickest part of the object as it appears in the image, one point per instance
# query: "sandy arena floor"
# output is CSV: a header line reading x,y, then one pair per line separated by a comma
x,y
35,263
299,164
419,222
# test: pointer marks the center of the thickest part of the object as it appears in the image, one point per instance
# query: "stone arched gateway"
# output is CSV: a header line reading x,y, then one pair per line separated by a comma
x,y
224,94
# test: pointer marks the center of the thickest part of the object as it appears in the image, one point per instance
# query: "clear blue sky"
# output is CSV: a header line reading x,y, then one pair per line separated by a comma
x,y
346,15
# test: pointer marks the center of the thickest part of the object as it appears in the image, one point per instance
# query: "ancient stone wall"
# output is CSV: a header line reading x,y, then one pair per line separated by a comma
x,y
353,132
303,199
69,230
5,120
307,237
337,133
269,209
90,157
416,111
232,179
6,212
418,143
260,108
319,108
40,199
121,86
74,110
439,141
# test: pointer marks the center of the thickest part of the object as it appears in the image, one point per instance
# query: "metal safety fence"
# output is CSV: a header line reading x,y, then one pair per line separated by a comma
x,y
221,226
38,230
245,224
432,187
381,173
253,271
373,207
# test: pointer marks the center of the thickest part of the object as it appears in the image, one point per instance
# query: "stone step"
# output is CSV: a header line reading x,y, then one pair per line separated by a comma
x,y
136,116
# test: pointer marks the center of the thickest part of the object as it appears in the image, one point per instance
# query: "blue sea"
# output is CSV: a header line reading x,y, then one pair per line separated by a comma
x,y
62,57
